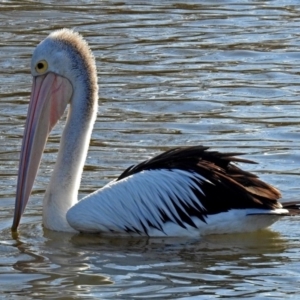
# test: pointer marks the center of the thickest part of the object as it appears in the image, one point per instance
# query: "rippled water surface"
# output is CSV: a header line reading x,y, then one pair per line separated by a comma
x,y
219,73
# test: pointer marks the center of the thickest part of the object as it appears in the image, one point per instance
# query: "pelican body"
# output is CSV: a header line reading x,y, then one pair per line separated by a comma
x,y
187,191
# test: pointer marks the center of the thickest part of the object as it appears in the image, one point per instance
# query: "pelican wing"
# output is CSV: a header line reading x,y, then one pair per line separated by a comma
x,y
181,187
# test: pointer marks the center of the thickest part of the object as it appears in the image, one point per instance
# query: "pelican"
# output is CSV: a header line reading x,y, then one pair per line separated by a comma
x,y
188,191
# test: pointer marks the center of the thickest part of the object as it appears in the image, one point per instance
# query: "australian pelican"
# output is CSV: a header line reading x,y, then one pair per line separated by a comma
x,y
187,191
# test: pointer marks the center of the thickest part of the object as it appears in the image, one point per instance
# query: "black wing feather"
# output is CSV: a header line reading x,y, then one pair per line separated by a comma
x,y
226,186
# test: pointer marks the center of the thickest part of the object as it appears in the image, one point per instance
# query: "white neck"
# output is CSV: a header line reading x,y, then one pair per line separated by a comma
x,y
62,192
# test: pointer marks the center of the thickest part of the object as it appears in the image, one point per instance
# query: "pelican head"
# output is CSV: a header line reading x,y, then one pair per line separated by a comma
x,y
64,72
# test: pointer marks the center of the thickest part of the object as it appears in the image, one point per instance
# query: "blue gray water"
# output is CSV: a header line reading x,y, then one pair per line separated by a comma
x,y
221,73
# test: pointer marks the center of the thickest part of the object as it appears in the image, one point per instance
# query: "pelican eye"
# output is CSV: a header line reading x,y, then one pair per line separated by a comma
x,y
41,66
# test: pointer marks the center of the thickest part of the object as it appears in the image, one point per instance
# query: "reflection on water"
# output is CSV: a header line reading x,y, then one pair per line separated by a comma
x,y
232,265
223,74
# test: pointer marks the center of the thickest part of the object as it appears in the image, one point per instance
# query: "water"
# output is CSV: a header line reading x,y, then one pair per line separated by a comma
x,y
220,73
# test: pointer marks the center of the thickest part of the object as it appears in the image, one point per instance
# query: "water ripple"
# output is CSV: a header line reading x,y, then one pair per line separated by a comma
x,y
219,73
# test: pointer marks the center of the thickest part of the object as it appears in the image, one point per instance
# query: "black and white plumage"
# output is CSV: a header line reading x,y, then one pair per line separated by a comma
x,y
182,192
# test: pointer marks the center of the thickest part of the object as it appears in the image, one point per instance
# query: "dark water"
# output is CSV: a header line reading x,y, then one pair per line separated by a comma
x,y
218,73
